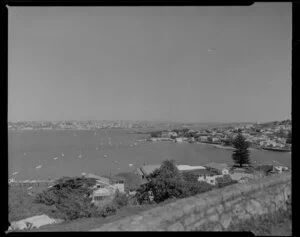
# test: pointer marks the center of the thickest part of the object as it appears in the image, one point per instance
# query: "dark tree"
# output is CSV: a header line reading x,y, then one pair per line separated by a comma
x,y
289,138
241,153
69,197
156,134
165,182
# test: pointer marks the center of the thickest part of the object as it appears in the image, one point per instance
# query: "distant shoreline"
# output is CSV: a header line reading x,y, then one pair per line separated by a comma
x,y
224,147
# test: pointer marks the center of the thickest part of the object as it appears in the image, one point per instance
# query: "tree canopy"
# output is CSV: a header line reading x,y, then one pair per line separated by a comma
x,y
167,182
289,138
241,154
69,197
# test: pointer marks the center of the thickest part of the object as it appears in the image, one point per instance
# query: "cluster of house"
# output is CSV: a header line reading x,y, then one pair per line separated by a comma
x,y
258,137
105,188
210,172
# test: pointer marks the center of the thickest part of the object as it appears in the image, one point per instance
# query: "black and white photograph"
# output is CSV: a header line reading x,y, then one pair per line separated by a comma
x,y
150,118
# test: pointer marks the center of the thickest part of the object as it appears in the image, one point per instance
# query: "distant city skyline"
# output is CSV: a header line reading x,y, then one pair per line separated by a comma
x,y
160,64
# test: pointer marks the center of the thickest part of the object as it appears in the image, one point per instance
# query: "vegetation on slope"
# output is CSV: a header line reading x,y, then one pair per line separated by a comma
x,y
21,205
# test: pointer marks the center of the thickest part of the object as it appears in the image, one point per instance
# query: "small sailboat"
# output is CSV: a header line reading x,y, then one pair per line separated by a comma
x,y
38,167
14,173
130,165
55,158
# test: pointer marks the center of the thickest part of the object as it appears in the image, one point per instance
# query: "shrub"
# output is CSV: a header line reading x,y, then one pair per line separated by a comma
x,y
167,183
132,201
189,176
193,188
108,210
69,198
266,169
156,134
225,181
120,199
289,138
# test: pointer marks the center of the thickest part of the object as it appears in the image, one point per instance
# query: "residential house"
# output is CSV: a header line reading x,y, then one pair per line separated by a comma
x,y
221,167
98,178
165,134
208,176
173,134
215,140
190,167
203,138
179,139
105,187
242,177
279,169
146,170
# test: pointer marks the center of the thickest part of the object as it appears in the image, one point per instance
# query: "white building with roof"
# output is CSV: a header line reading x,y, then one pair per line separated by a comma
x,y
221,167
104,188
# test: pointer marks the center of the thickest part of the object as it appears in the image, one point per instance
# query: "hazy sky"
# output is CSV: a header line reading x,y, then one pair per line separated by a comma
x,y
190,64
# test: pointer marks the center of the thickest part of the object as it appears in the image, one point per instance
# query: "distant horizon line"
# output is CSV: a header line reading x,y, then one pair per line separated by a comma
x,y
148,121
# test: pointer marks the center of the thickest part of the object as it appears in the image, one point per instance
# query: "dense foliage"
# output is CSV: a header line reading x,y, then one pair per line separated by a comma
x,y
167,183
241,153
228,141
265,169
289,138
156,134
225,181
120,199
69,197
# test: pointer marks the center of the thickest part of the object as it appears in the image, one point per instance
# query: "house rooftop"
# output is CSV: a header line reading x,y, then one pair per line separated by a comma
x,y
148,169
102,179
189,167
218,166
199,172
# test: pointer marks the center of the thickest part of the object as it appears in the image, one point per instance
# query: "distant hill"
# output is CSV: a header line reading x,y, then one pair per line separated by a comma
x,y
287,122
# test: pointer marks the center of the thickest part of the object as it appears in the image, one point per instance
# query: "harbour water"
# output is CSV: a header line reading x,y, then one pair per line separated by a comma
x,y
54,154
